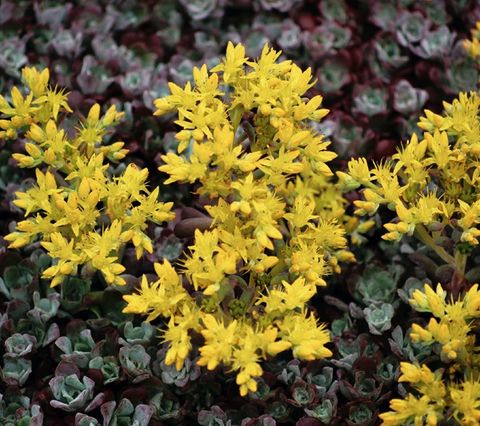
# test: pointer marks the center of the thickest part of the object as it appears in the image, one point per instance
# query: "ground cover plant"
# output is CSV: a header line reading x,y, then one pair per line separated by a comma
x,y
239,213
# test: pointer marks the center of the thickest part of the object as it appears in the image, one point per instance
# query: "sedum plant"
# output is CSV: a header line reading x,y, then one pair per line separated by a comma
x,y
82,214
431,185
275,223
452,328
472,45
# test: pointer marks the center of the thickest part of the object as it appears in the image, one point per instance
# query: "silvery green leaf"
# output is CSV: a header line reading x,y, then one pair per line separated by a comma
x,y
19,345
280,5
290,37
202,9
15,371
436,44
67,43
52,16
411,28
379,318
71,394
407,99
322,411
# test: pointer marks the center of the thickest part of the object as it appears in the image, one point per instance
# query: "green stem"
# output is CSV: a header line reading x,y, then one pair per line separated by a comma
x,y
423,235
460,261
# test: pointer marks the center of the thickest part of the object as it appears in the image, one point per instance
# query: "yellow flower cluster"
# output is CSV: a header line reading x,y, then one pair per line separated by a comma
x,y
431,183
82,213
277,222
473,46
440,395
453,329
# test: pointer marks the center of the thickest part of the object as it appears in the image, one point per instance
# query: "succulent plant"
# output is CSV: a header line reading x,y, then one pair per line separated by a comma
x,y
13,55
66,43
378,64
436,44
411,28
388,54
166,407
170,375
334,10
201,9
44,333
318,42
379,318
290,372
70,392
125,413
93,77
141,335
403,347
370,101
19,345
135,361
324,411
280,5
15,370
388,370
213,417
9,175
290,39
17,410
333,75
383,14
360,415
72,293
44,308
303,394
108,366
76,347
19,281
377,285
51,15
323,381
85,420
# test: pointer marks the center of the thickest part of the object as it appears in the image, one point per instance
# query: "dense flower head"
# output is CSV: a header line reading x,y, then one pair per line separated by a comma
x,y
82,214
247,142
430,183
473,45
452,332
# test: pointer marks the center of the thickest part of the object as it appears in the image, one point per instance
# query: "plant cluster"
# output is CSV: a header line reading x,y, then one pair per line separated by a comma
x,y
452,391
431,186
370,58
276,221
82,213
233,278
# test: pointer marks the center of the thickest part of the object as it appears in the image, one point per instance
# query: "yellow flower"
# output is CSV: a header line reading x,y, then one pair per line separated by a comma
x,y
466,402
245,359
36,81
180,344
56,99
240,150
429,300
411,409
219,341
233,62
306,336
159,298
